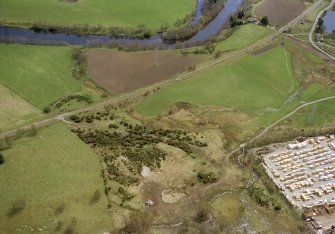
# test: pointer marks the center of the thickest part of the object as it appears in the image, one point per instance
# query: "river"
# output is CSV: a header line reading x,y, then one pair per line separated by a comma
x,y
329,21
22,34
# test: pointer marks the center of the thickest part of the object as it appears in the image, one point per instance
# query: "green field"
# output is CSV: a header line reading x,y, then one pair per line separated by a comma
x,y
52,168
14,111
251,84
39,74
243,36
152,13
317,115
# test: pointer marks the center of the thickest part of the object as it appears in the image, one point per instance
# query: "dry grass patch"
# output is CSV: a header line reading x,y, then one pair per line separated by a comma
x,y
14,111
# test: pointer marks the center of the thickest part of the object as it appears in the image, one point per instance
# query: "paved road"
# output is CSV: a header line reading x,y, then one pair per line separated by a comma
x,y
140,92
310,36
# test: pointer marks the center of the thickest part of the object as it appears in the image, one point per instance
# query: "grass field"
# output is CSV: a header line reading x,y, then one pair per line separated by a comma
x,y
243,36
39,74
14,111
152,13
317,115
250,84
49,169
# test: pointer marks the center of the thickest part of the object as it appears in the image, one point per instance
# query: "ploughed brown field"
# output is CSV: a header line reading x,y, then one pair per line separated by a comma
x,y
280,12
123,71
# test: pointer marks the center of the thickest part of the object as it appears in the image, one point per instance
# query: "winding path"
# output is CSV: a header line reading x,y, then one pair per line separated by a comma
x,y
310,36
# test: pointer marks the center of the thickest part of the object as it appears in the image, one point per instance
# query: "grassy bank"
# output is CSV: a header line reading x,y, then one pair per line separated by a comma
x,y
14,111
50,171
38,74
243,36
151,13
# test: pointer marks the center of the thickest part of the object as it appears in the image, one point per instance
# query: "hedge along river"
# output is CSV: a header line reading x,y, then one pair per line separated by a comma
x,y
212,28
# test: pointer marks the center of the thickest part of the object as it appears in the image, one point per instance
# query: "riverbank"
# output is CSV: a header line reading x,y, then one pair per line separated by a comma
x,y
144,37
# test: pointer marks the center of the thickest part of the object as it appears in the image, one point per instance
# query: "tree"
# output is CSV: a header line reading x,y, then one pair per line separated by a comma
x,y
2,159
96,197
46,110
240,14
265,20
320,26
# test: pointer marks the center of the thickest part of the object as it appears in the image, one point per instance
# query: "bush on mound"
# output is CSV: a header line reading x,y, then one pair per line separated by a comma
x,y
2,159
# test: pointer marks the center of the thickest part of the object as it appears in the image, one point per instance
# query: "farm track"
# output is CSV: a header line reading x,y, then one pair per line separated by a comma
x,y
310,36
123,97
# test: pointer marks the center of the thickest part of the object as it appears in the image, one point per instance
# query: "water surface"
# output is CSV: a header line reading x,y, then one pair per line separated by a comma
x,y
22,34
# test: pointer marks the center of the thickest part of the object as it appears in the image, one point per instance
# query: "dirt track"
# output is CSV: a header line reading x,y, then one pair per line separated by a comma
x,y
279,12
123,71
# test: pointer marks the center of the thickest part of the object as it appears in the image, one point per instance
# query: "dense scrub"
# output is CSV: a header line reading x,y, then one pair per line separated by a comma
x,y
125,148
210,9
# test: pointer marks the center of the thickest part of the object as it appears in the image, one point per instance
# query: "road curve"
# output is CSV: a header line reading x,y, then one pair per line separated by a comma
x,y
310,36
142,91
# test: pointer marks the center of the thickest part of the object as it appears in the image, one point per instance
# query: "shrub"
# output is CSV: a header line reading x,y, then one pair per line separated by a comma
x,y
2,159
17,206
115,126
72,227
265,20
60,208
89,120
46,110
96,196
206,178
201,216
125,195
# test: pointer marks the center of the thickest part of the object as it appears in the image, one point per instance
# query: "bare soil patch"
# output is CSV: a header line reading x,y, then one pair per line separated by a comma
x,y
280,12
123,71
170,196
264,49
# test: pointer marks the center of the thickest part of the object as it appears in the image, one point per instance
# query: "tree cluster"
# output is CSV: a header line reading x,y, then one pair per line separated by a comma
x,y
264,20
210,9
320,27
206,178
80,63
140,31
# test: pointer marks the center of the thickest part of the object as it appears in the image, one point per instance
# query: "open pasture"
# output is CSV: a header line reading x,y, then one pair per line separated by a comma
x,y
56,174
14,110
253,83
243,36
38,74
152,13
279,12
122,71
